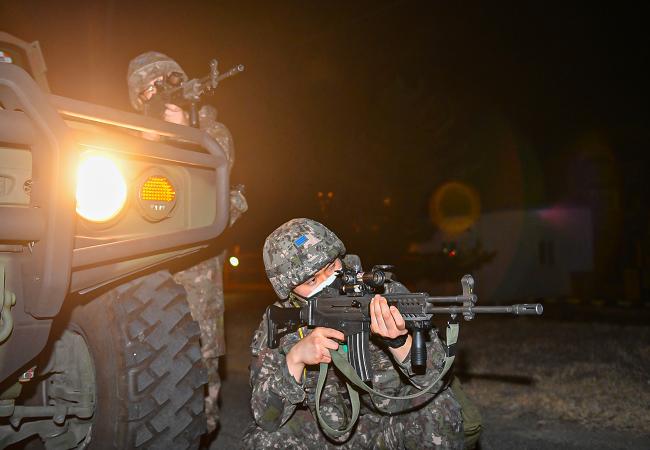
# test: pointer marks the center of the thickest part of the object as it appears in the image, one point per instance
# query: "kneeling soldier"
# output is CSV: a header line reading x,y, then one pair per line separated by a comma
x,y
302,258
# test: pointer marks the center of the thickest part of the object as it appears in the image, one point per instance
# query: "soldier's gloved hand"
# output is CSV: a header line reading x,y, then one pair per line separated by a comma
x,y
175,114
313,349
238,203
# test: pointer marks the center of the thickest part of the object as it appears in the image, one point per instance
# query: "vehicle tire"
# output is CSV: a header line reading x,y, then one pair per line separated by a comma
x,y
149,377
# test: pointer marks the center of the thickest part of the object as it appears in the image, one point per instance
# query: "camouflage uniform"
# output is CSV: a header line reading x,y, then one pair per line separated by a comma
x,y
204,281
284,410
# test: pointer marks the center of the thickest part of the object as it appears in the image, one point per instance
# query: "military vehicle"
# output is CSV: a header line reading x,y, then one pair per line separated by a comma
x,y
97,345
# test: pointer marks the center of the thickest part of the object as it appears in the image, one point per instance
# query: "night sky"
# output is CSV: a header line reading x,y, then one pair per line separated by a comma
x,y
530,105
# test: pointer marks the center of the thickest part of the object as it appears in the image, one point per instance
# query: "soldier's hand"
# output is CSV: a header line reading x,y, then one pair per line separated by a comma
x,y
313,349
384,320
175,114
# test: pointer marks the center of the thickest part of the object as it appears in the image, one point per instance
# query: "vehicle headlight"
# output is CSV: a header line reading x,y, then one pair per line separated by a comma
x,y
101,188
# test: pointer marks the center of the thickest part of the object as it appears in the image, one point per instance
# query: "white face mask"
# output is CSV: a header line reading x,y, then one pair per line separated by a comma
x,y
323,285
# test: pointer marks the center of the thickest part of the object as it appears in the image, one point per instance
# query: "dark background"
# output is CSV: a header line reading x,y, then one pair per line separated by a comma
x,y
381,102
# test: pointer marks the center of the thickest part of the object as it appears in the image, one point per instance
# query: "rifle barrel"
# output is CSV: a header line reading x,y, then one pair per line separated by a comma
x,y
206,80
521,309
234,71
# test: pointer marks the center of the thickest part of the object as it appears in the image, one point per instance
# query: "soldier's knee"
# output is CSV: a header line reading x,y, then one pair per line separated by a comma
x,y
437,425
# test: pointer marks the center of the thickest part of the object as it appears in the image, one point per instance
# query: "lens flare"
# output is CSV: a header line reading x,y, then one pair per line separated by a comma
x,y
234,261
101,188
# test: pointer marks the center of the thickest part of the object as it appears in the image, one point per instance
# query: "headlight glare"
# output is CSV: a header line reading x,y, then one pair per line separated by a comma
x,y
101,188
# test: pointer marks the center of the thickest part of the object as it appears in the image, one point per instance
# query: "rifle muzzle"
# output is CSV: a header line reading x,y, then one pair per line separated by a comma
x,y
533,309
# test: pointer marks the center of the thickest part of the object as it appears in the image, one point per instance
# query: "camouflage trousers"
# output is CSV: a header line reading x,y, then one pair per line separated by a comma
x,y
204,285
436,425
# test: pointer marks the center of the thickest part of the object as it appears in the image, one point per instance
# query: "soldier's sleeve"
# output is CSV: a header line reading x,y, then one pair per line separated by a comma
x,y
435,363
398,378
275,393
218,131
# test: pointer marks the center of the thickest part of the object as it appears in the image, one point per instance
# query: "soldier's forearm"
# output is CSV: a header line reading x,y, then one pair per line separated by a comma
x,y
402,352
296,368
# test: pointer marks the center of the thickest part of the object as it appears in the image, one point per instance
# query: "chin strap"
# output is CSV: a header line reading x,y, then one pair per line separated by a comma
x,y
340,361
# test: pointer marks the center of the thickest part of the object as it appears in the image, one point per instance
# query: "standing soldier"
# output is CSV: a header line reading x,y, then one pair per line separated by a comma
x,y
204,281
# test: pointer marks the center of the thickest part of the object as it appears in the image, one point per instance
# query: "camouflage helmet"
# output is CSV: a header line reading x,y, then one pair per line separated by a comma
x,y
146,67
297,250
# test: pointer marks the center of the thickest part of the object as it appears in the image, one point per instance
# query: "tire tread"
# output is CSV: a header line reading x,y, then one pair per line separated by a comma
x,y
166,378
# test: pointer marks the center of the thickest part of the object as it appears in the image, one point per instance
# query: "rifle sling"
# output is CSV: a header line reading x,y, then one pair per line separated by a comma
x,y
340,361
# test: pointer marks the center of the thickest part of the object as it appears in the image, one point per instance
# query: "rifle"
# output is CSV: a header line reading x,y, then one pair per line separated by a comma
x,y
349,312
172,89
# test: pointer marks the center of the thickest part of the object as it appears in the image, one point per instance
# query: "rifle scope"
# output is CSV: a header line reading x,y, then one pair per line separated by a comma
x,y
358,282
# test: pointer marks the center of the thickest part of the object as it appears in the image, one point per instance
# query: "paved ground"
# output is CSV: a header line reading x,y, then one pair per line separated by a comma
x,y
540,383
244,313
